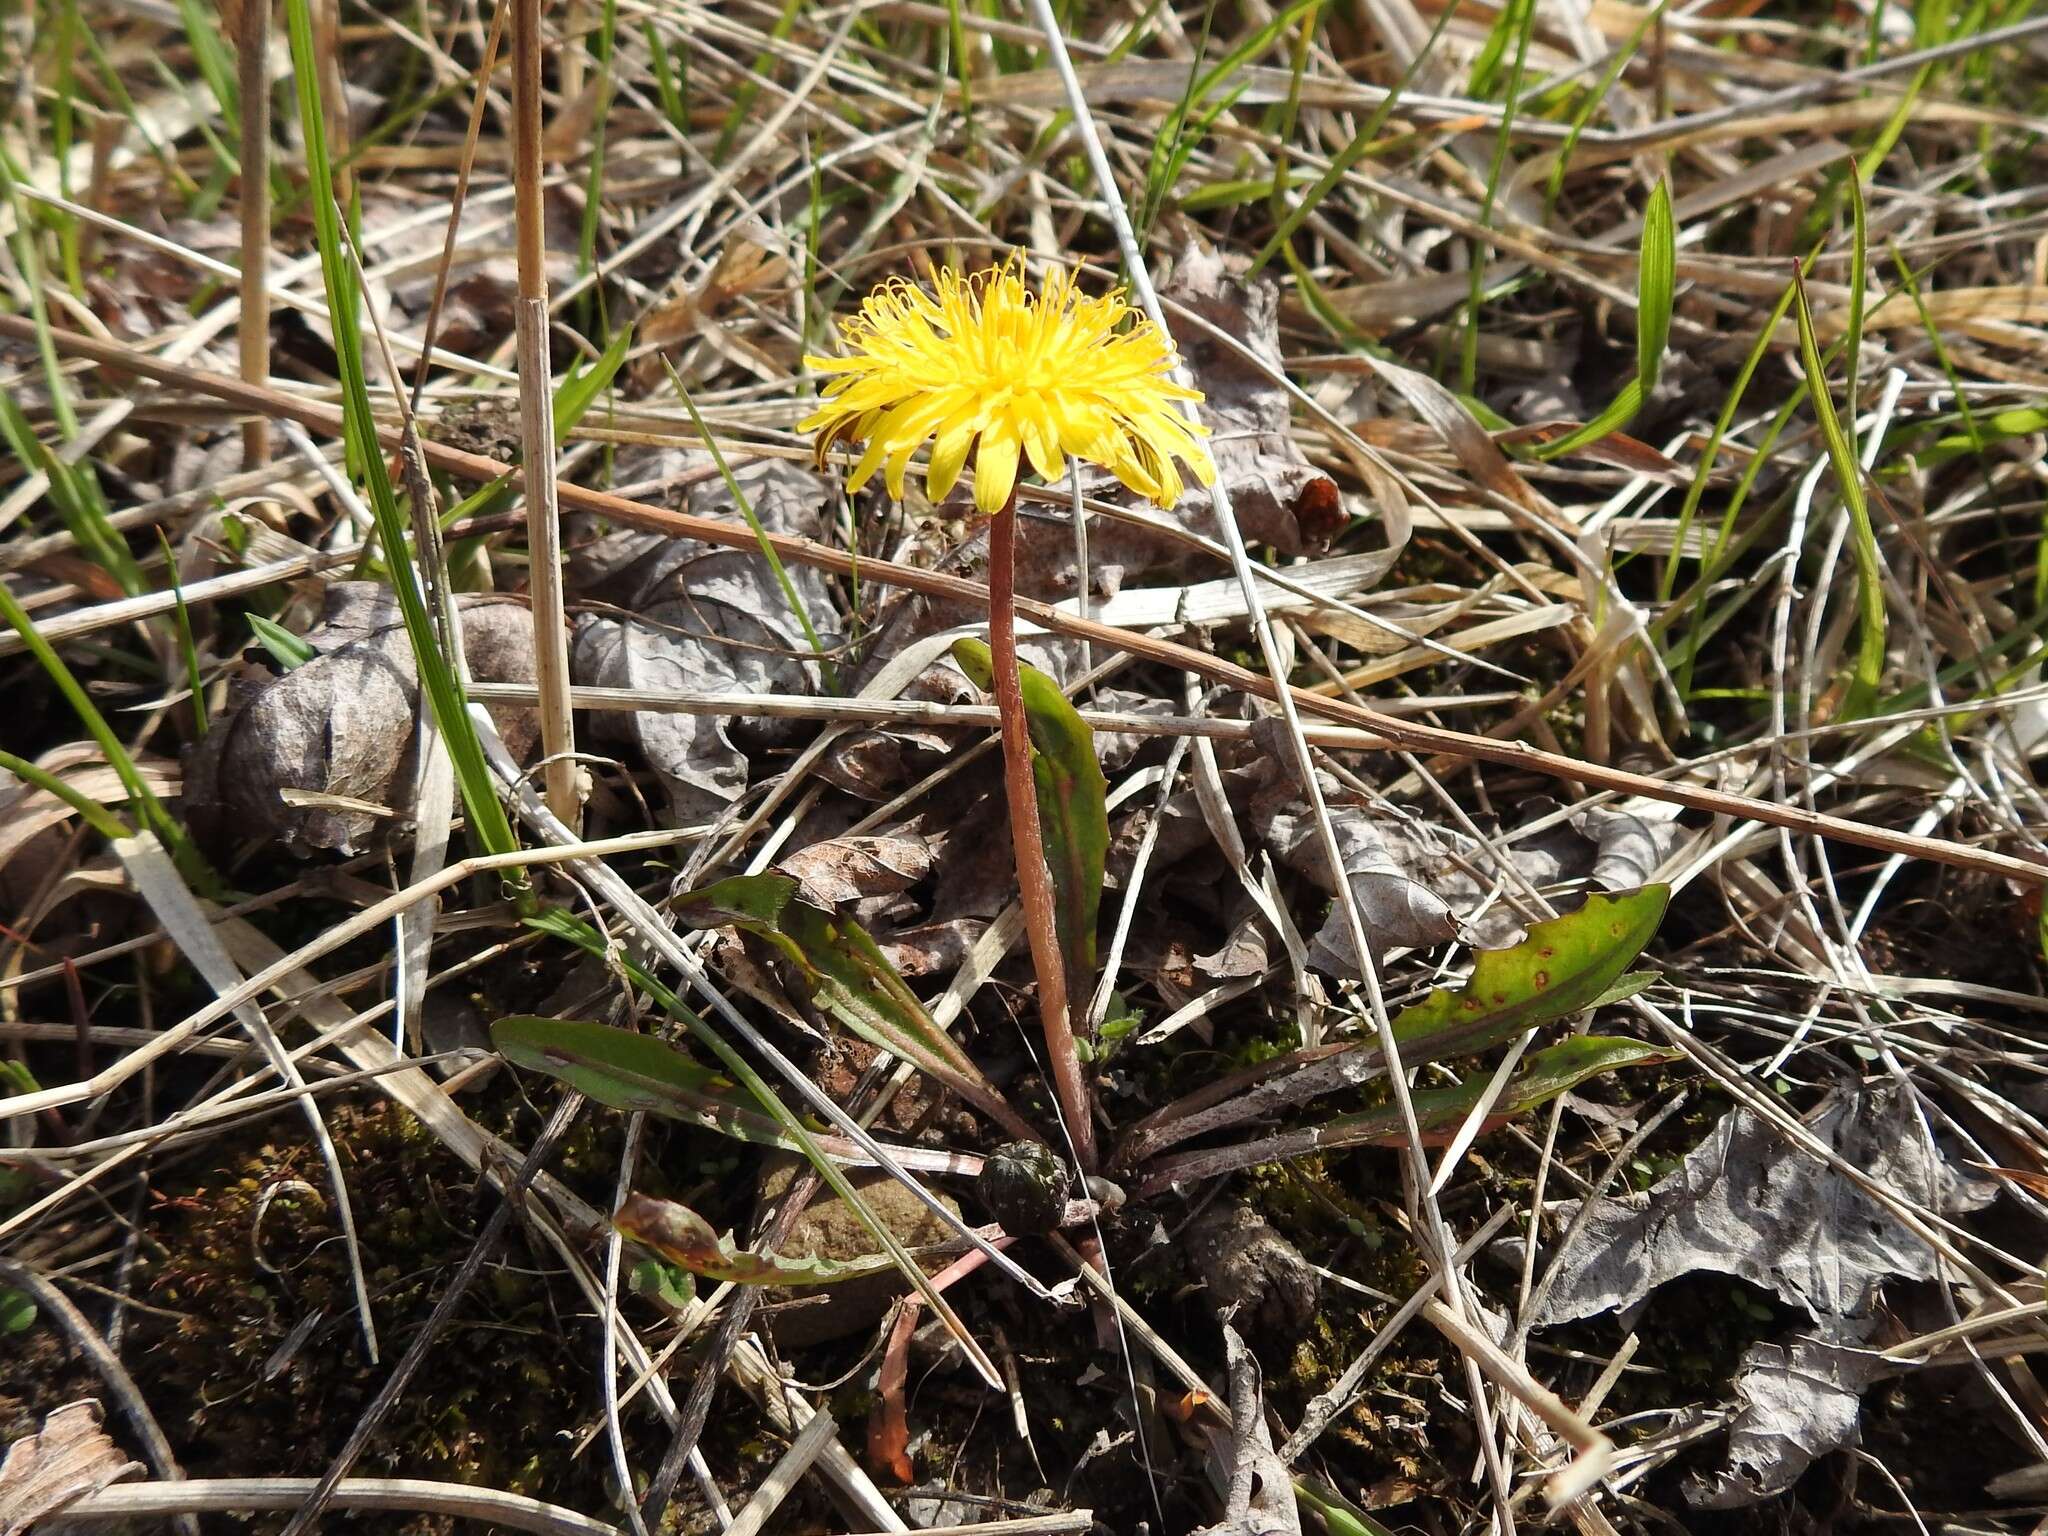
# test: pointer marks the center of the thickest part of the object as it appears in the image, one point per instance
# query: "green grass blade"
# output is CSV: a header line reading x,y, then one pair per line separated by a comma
x,y
1590,103
112,748
1355,150
188,648
1694,492
593,189
1656,287
443,690
75,492
1868,675
211,57
30,261
1859,279
1524,27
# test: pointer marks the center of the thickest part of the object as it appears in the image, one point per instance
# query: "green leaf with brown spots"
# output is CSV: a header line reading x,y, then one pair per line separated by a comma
x,y
682,1237
1562,966
1073,815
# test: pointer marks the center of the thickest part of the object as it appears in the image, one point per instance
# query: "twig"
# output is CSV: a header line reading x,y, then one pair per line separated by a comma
x,y
111,1371
1407,735
537,427
252,326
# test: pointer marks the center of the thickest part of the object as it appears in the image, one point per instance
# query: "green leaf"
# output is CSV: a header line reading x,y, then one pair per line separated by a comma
x,y
843,972
1341,1517
1627,986
568,925
580,387
1656,290
1656,285
17,1311
1072,807
1871,622
286,648
1564,965
624,1070
684,1238
669,1284
1543,1076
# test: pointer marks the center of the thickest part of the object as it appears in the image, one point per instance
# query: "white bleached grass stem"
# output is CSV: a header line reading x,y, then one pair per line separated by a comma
x,y
1435,1234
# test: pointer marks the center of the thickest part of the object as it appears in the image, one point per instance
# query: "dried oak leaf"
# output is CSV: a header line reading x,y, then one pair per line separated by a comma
x,y
698,618
67,1459
843,869
1382,859
322,757
1742,1204
1797,1401
1279,498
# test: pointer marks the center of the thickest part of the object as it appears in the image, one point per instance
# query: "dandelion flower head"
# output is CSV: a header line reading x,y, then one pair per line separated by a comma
x,y
986,366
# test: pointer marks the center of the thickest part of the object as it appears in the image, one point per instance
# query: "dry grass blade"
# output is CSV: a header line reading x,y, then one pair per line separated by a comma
x,y
1417,738
1547,580
537,423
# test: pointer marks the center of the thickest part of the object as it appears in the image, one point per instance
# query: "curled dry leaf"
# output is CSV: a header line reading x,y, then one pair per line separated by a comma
x,y
1798,1401
1745,1204
1383,859
844,869
321,757
698,618
1254,1276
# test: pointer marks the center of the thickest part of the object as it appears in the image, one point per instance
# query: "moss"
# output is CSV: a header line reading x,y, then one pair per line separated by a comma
x,y
264,1370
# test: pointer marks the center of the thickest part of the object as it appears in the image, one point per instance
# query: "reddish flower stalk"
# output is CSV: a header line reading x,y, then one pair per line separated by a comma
x,y
1034,879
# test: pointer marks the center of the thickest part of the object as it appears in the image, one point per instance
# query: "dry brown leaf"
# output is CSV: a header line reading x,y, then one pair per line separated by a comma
x,y
843,869
341,726
61,1463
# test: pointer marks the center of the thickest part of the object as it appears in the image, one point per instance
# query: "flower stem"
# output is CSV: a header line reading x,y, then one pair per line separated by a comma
x,y
1034,880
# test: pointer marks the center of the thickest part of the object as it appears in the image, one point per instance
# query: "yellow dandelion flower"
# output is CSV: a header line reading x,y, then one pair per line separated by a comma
x,y
986,366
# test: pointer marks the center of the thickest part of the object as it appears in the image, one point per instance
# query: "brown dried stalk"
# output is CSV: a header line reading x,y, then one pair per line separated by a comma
x,y
1405,735
252,43
537,426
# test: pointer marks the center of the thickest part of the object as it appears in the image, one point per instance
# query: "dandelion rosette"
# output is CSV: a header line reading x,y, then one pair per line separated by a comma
x,y
987,367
